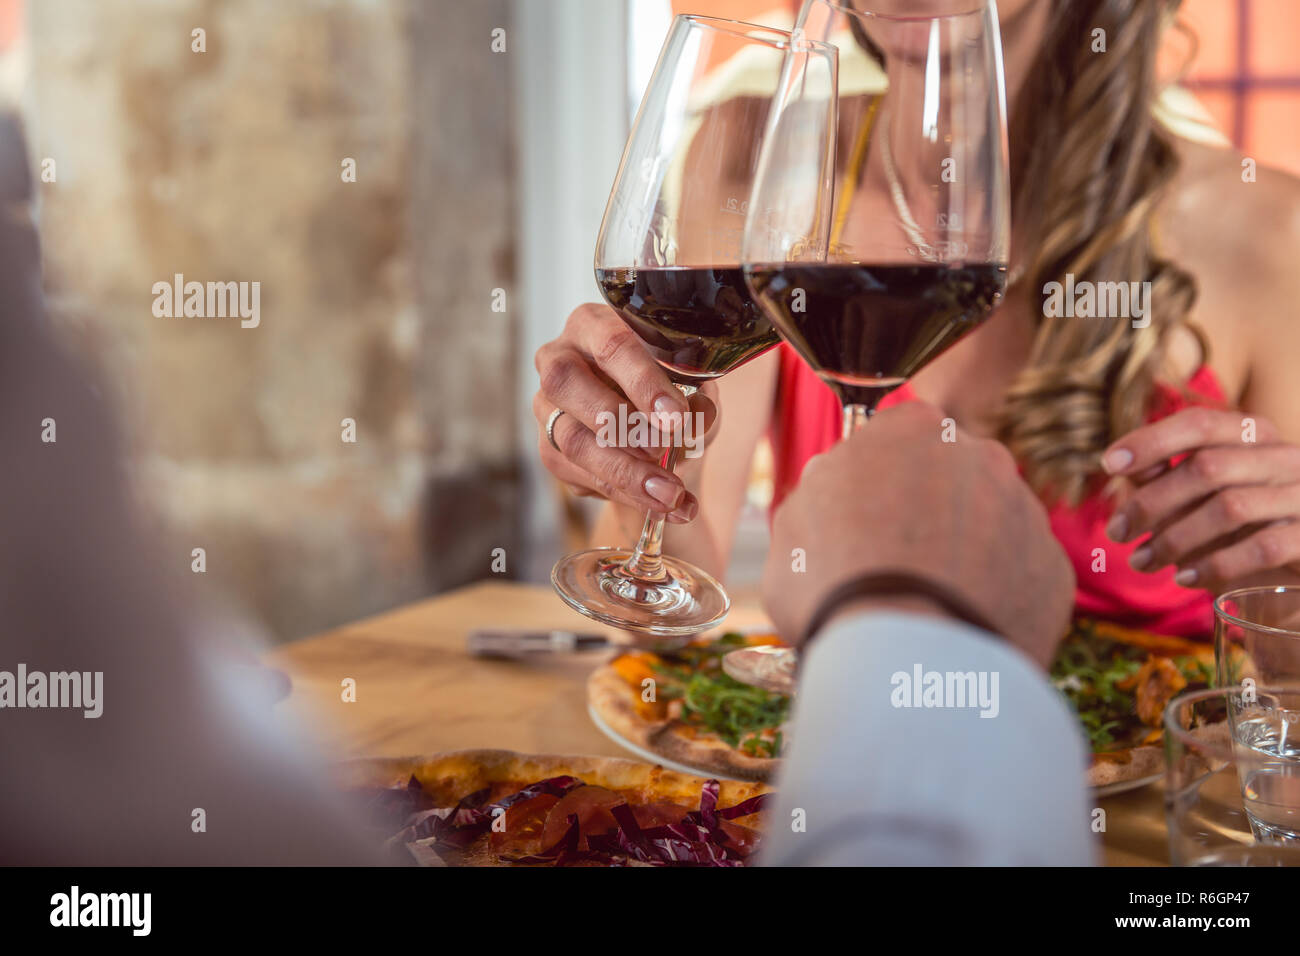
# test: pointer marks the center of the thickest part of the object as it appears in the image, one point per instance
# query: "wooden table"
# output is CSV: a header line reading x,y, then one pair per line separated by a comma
x,y
419,692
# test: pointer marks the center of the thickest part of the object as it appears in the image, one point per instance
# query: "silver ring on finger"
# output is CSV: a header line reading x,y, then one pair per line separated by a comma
x,y
550,428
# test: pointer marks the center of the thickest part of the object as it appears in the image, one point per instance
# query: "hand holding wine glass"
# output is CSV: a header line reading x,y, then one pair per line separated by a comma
x,y
914,517
668,262
596,365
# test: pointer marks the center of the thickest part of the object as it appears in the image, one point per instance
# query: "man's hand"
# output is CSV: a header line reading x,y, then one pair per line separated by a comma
x,y
896,496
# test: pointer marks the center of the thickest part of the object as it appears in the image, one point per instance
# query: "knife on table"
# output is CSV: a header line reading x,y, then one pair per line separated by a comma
x,y
517,644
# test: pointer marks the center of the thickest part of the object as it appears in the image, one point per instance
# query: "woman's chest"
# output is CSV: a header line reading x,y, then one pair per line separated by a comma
x,y
968,381
971,379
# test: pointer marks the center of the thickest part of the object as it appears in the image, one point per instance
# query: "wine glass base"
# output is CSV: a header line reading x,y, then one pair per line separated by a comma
x,y
596,584
765,667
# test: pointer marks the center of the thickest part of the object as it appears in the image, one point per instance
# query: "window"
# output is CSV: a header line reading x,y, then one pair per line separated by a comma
x,y
1247,74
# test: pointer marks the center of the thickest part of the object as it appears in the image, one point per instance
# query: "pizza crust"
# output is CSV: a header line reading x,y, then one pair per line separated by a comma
x,y
716,756
614,700
448,777
1121,766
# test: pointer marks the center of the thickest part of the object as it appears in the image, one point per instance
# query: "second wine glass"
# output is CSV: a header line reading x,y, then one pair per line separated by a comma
x,y
906,250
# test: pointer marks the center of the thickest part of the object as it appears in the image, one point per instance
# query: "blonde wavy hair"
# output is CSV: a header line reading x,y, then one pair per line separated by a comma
x,y
1089,165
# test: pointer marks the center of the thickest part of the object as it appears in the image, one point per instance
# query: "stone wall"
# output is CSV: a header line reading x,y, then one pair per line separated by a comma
x,y
376,296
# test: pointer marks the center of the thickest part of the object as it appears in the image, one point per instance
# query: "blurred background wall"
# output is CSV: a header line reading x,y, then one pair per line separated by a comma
x,y
409,301
377,296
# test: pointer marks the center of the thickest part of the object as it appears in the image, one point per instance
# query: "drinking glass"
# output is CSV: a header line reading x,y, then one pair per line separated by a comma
x,y
1232,777
908,253
668,262
1265,727
1257,636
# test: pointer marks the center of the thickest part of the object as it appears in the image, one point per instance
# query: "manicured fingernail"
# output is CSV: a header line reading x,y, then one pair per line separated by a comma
x,y
686,512
666,492
1186,577
667,417
670,405
1116,460
1117,530
1140,558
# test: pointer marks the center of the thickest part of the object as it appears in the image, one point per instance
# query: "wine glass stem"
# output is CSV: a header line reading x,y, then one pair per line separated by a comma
x,y
855,416
646,562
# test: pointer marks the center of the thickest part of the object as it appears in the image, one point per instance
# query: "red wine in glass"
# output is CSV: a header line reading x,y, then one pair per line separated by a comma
x,y
697,323
865,328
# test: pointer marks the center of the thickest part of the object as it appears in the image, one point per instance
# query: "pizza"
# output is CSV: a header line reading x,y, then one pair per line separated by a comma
x,y
679,705
1118,681
501,808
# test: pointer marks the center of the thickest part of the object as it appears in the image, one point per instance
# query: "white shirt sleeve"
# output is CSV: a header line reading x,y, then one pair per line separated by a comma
x,y
921,741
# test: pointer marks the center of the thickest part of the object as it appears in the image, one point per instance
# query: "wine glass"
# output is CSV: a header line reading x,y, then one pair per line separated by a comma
x,y
668,262
909,252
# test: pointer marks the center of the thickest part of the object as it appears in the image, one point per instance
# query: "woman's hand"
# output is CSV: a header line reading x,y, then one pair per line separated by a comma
x,y
597,365
1225,513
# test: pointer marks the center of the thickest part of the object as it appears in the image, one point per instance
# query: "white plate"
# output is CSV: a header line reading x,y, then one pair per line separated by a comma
x,y
649,756
1124,786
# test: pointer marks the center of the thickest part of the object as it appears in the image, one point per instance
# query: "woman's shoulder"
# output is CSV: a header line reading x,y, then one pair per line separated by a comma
x,y
1234,224
1222,199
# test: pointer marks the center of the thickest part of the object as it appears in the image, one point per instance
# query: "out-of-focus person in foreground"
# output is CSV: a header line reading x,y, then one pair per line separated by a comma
x,y
174,756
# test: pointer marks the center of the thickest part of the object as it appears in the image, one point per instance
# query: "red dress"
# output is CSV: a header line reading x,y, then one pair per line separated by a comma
x,y
806,422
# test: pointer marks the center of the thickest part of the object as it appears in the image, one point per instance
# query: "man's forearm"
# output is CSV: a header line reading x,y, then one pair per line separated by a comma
x,y
923,741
